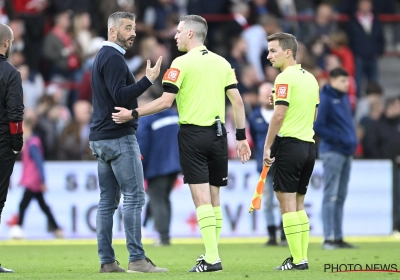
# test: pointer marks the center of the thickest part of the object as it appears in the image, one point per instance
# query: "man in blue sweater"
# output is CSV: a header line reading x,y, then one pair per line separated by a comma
x,y
336,129
115,146
157,135
259,122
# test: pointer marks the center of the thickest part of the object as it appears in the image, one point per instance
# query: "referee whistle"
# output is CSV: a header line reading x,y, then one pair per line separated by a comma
x,y
219,126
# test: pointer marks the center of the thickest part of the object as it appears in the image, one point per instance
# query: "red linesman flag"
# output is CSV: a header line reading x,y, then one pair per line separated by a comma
x,y
256,201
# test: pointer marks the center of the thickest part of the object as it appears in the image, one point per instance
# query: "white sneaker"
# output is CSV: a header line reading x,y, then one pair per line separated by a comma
x,y
16,232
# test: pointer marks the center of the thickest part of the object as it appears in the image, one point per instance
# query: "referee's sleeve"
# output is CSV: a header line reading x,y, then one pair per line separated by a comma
x,y
230,86
171,88
231,80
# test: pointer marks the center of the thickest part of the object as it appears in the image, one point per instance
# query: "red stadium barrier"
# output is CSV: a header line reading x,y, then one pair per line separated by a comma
x,y
337,17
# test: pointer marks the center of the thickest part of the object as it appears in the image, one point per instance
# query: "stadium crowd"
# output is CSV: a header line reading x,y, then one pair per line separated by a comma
x,y
56,42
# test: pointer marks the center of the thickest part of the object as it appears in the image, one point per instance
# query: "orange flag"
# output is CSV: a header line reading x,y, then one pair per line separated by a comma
x,y
256,201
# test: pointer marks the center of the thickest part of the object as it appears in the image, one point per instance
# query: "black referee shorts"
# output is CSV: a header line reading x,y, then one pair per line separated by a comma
x,y
294,164
203,155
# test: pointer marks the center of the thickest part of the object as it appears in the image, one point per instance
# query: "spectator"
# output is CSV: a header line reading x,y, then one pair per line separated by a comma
x,y
212,8
318,51
59,113
338,141
323,24
338,44
33,14
161,19
85,89
256,39
160,166
237,56
18,27
73,142
248,86
46,128
375,112
60,50
53,117
235,26
288,10
82,33
260,8
17,59
259,122
373,92
33,175
381,140
33,89
366,41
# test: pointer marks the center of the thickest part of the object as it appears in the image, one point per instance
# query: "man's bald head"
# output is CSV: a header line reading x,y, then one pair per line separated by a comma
x,y
5,33
6,38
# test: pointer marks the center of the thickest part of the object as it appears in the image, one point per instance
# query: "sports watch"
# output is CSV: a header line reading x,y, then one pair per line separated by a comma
x,y
134,114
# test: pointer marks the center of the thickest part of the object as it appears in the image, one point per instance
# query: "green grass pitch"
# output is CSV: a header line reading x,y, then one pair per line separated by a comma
x,y
242,258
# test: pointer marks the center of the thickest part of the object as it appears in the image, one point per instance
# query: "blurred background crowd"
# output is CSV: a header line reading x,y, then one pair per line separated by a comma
x,y
56,42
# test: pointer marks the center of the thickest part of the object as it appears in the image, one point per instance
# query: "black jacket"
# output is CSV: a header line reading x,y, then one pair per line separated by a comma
x,y
11,105
381,140
366,46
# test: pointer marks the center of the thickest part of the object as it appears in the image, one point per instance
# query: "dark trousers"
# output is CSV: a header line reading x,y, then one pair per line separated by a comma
x,y
7,161
26,199
365,68
159,189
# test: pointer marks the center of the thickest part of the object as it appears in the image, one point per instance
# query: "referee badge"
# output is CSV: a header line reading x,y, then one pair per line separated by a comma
x,y
281,90
172,75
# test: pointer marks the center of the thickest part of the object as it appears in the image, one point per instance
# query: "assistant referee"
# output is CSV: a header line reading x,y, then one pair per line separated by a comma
x,y
199,81
291,134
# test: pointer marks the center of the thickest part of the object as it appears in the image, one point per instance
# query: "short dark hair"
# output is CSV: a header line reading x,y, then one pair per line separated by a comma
x,y
198,24
337,72
286,41
391,100
374,88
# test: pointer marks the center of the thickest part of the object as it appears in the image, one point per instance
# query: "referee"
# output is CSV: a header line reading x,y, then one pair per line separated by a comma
x,y
199,81
293,150
11,116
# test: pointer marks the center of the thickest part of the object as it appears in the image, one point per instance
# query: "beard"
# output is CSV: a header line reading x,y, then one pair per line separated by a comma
x,y
7,52
124,42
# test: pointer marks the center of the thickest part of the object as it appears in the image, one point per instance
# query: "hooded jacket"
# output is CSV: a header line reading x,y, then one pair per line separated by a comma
x,y
335,124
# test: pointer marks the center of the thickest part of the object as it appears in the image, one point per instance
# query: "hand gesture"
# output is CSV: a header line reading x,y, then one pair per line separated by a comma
x,y
267,160
271,99
123,116
243,150
152,73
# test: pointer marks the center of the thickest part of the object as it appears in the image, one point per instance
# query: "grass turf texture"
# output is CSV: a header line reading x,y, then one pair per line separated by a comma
x,y
244,258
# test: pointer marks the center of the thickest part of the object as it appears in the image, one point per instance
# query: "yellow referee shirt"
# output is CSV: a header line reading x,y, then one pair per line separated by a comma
x,y
298,89
200,79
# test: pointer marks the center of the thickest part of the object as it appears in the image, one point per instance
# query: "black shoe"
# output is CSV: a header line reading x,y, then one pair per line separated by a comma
x,y
203,266
271,242
306,263
329,245
341,244
5,270
289,265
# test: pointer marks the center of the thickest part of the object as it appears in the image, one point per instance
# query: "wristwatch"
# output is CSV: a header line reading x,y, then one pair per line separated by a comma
x,y
135,114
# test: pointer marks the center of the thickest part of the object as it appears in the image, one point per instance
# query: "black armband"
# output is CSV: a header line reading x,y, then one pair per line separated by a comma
x,y
240,134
